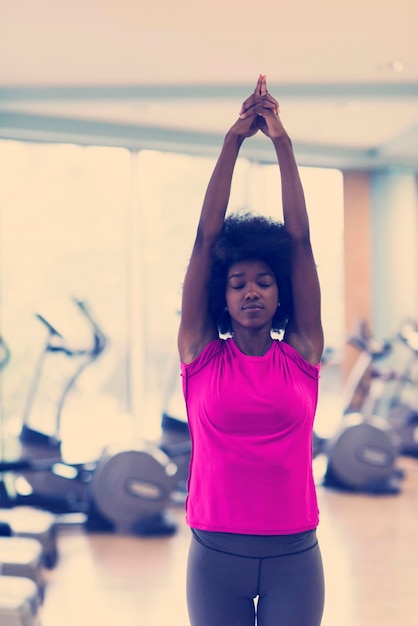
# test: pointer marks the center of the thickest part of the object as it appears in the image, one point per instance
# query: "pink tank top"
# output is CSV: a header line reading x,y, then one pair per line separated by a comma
x,y
251,421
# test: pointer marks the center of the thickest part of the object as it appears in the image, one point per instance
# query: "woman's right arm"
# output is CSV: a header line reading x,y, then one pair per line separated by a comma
x,y
197,328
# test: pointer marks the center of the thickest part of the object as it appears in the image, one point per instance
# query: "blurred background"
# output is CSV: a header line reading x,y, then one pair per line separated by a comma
x,y
112,114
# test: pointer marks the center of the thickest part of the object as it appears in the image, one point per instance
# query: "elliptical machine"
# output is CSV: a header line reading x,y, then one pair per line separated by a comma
x,y
126,489
40,477
24,523
362,454
402,405
150,476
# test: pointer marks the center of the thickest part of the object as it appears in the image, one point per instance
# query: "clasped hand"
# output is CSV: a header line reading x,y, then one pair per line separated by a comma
x,y
259,112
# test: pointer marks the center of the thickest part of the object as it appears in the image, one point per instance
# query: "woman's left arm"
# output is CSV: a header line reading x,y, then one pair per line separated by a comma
x,y
304,330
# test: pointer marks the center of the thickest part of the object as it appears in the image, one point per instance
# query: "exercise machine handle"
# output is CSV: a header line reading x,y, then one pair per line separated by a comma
x,y
51,329
99,342
4,353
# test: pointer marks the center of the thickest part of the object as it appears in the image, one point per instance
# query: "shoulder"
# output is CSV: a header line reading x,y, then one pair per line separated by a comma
x,y
302,364
309,348
213,349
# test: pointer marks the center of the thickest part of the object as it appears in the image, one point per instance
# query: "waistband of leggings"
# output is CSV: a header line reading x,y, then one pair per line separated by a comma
x,y
256,546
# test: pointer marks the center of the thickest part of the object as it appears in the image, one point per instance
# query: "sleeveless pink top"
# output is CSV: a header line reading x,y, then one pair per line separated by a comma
x,y
251,421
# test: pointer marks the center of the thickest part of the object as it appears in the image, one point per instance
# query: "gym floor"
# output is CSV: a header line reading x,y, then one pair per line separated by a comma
x,y
369,547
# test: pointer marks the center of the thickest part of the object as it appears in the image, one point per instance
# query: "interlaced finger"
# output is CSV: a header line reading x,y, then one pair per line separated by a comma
x,y
257,89
248,103
260,94
265,108
274,102
256,105
264,92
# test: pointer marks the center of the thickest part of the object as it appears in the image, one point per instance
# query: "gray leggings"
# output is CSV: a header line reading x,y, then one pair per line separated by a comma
x,y
225,589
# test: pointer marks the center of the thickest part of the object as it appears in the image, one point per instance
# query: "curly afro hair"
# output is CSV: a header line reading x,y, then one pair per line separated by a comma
x,y
247,236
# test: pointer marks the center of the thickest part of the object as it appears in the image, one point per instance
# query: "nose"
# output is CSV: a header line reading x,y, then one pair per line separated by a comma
x,y
252,294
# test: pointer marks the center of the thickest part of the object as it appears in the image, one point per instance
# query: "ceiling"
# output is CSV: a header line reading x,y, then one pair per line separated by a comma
x,y
172,75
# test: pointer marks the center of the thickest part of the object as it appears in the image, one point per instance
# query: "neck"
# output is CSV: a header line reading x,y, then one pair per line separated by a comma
x,y
253,343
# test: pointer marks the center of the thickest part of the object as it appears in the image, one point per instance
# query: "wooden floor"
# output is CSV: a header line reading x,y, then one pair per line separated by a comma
x,y
369,547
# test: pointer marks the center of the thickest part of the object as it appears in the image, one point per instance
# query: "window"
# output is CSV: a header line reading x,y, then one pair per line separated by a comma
x,y
115,230
64,221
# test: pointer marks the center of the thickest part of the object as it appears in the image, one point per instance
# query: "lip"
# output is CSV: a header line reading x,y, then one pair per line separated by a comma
x,y
252,307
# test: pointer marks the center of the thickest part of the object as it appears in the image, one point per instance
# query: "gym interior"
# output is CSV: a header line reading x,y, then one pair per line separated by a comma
x,y
108,136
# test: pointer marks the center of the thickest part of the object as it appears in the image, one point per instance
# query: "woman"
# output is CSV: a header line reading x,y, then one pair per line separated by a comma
x,y
251,398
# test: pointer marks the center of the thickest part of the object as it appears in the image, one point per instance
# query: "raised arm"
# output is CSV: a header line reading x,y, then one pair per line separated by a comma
x,y
304,329
197,328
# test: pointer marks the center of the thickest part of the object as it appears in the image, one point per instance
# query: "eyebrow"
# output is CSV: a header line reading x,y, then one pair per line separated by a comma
x,y
259,275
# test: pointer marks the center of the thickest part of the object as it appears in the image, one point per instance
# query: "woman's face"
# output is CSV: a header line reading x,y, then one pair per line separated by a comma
x,y
251,294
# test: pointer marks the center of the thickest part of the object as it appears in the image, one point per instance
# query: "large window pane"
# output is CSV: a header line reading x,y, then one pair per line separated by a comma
x,y
64,217
116,230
